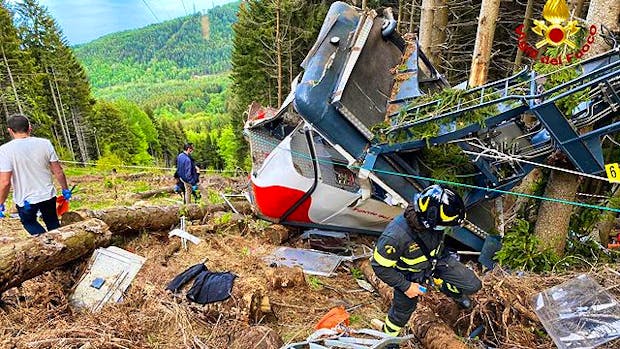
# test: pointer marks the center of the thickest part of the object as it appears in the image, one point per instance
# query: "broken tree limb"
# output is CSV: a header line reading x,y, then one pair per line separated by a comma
x,y
133,219
432,332
150,193
25,259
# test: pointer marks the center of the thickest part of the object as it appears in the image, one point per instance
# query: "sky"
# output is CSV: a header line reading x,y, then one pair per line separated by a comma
x,y
85,20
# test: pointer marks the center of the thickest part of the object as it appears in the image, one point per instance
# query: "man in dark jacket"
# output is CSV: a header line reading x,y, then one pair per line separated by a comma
x,y
187,171
410,253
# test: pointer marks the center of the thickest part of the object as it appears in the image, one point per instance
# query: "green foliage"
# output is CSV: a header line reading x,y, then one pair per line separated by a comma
x,y
314,282
180,48
447,162
357,273
108,162
190,96
213,197
228,147
46,81
583,221
254,48
556,75
224,218
520,250
434,104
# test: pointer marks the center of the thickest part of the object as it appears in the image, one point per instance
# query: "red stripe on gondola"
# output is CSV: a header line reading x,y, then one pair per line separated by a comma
x,y
274,201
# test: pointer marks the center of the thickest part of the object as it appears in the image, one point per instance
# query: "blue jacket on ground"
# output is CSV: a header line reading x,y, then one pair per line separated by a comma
x,y
186,169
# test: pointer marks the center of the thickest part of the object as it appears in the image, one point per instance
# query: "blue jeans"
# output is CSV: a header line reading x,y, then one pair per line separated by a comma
x,y
48,213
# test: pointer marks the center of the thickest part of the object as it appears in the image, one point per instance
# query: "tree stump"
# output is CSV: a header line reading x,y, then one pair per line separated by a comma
x,y
432,332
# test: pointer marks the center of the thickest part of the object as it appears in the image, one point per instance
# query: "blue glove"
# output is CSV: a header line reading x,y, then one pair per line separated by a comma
x,y
2,209
66,193
177,189
195,187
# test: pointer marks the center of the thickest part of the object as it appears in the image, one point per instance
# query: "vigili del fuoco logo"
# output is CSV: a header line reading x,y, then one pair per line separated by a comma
x,y
556,30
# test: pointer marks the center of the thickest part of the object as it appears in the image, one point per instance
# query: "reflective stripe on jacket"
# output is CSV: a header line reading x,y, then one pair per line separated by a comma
x,y
397,259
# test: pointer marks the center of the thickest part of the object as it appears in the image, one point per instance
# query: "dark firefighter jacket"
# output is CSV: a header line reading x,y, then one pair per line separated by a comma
x,y
398,260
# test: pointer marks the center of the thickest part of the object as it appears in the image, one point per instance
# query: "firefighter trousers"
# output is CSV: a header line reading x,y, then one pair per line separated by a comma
x,y
457,280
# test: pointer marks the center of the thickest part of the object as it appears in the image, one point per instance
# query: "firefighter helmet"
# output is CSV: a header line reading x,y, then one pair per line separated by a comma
x,y
438,207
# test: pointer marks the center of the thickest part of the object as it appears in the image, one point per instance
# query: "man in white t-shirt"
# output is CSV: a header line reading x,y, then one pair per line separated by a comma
x,y
28,164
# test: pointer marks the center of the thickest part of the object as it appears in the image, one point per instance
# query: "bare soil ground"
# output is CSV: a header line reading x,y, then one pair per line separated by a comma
x,y
38,314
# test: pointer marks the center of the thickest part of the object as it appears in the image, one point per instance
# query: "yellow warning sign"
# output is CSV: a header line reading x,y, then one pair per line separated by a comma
x,y
613,172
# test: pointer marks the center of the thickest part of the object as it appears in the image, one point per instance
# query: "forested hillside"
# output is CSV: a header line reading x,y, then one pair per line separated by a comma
x,y
176,49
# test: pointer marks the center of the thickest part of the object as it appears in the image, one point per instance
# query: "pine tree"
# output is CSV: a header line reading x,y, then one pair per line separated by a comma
x,y
65,92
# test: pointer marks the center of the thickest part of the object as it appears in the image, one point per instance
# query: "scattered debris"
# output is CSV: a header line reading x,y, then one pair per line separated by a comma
x,y
578,313
184,235
361,339
109,273
311,261
208,287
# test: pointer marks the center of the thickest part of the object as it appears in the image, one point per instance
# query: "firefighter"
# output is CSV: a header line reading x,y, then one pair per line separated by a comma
x,y
409,255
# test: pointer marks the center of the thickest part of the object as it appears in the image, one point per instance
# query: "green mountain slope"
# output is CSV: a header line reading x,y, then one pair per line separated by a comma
x,y
176,49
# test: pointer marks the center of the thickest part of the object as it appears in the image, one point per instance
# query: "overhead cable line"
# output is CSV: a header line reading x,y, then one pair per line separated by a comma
x,y
150,9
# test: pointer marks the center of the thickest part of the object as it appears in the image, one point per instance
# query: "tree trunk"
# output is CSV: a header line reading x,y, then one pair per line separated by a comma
x,y
554,218
440,23
150,193
489,13
576,7
432,332
401,11
603,12
28,258
279,50
425,36
529,9
133,219
606,13
8,70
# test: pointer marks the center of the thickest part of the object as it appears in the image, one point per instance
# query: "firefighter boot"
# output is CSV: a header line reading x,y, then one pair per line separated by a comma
x,y
463,301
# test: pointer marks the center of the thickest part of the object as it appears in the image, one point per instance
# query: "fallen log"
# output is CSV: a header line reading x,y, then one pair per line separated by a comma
x,y
25,259
132,219
432,332
150,193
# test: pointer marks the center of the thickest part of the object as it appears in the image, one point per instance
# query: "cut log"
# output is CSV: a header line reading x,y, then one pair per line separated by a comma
x,y
25,259
150,193
432,332
132,219
284,277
